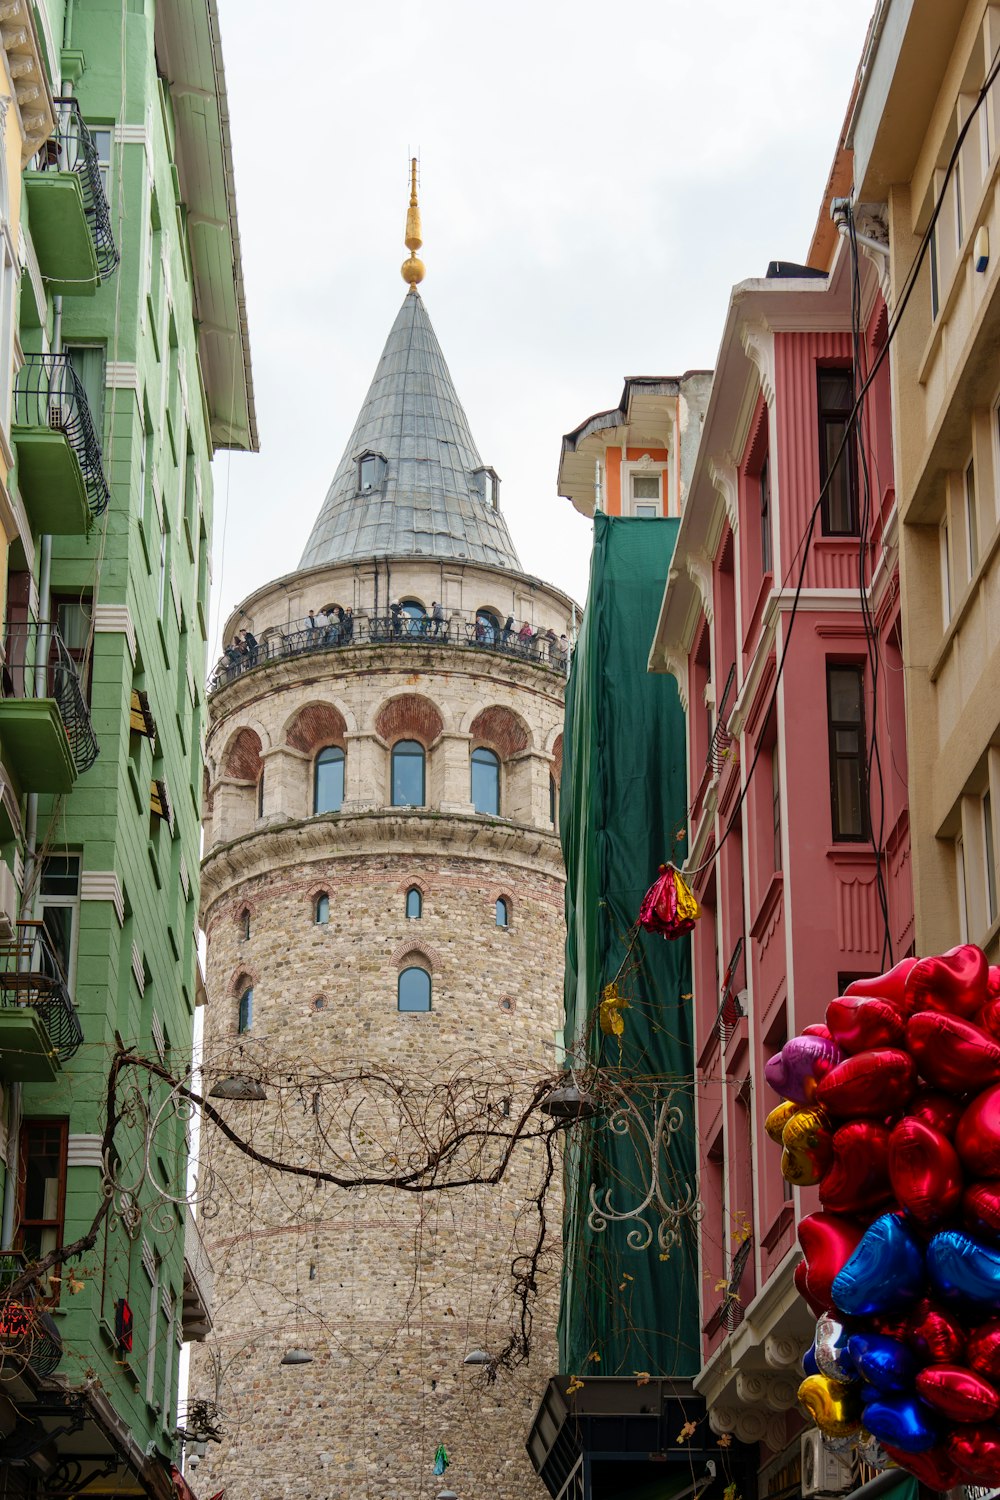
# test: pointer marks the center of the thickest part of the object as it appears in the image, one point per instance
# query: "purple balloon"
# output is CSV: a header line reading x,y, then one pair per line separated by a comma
x,y
795,1071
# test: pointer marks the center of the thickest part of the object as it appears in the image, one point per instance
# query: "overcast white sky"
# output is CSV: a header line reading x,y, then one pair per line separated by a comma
x,y
594,179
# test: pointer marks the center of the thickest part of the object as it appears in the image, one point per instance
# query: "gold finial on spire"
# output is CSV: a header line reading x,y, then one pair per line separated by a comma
x,y
412,270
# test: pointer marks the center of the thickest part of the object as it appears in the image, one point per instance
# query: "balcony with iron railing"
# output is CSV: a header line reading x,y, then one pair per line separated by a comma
x,y
68,213
28,1333
39,1027
60,464
473,632
718,751
46,735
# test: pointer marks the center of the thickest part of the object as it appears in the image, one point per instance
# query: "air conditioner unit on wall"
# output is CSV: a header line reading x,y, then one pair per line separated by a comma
x,y
823,1472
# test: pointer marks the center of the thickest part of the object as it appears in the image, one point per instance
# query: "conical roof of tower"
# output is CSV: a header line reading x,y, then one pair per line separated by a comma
x,y
429,501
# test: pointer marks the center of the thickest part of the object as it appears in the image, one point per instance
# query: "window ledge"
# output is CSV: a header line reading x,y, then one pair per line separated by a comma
x,y
768,903
783,1222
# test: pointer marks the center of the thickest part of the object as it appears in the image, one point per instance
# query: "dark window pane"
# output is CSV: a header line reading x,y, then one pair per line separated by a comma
x,y
414,990
486,782
328,790
245,1020
848,790
407,774
61,875
848,795
845,695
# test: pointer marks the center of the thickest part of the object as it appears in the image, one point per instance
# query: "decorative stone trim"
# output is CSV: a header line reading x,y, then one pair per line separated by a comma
x,y
410,947
122,375
137,967
115,619
103,885
757,339
24,63
84,1151
726,481
242,978
130,135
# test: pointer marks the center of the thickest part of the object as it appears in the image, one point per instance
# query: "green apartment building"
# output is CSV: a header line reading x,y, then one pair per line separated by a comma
x,y
124,365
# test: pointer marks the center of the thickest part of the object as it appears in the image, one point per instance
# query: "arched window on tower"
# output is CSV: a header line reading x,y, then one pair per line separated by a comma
x,y
413,991
408,774
321,910
414,621
328,780
414,904
244,1018
503,912
486,781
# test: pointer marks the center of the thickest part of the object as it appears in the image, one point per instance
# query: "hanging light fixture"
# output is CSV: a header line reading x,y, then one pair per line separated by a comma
x,y
249,1090
447,1495
477,1357
567,1102
296,1357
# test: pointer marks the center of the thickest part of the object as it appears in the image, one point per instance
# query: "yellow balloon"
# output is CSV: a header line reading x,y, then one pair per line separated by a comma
x,y
808,1143
779,1118
833,1406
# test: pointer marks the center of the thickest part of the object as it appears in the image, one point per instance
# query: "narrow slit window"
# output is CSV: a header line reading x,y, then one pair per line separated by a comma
x,y
503,913
322,909
414,904
244,1019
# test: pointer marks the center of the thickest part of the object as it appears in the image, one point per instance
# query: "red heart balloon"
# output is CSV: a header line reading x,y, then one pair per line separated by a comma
x,y
858,1176
977,1139
939,1111
954,982
817,1029
993,980
869,1085
961,1394
982,1352
800,1276
976,1450
936,1334
924,1170
828,1241
935,1469
952,1053
890,986
893,1328
859,1022
981,1209
989,1017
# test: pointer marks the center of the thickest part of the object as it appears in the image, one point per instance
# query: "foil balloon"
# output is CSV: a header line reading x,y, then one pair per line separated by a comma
x,y
828,1241
809,1365
779,1118
858,1022
976,1451
957,1393
885,1273
808,1147
977,1139
832,1405
795,1071
903,1422
800,1276
869,1085
890,986
939,1111
817,1029
924,1168
955,982
952,1053
983,1349
981,1210
989,1017
960,1266
935,1468
830,1348
883,1363
858,1176
993,981
936,1334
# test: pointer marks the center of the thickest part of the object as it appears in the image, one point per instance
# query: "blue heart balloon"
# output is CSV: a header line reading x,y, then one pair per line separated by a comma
x,y
885,1273
885,1363
960,1266
902,1422
809,1361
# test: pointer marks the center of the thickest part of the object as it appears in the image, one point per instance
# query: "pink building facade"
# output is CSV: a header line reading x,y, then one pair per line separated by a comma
x,y
786,814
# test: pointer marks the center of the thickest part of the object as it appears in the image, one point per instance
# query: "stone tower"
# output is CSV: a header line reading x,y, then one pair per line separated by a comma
x,y
383,904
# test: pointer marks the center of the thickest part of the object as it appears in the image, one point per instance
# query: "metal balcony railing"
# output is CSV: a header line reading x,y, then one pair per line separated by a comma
x,y
718,750
731,1010
71,149
38,665
732,1310
544,648
26,1330
31,974
49,393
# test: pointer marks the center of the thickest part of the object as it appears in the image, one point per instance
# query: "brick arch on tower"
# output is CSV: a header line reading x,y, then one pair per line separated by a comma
x,y
241,759
556,751
314,726
408,952
500,729
409,716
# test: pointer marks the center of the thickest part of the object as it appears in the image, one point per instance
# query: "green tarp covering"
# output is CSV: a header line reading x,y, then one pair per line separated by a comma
x,y
624,791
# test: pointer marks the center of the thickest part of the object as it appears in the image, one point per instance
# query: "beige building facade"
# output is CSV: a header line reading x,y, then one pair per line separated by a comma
x,y
383,905
926,139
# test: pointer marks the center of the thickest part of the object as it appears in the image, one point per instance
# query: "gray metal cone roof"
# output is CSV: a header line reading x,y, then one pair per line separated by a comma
x,y
429,503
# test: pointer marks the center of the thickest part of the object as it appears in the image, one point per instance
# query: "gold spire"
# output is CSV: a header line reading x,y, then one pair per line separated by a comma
x,y
413,269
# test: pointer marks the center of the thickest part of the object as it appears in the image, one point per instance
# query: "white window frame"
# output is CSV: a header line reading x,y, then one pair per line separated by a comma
x,y
971,516
71,904
944,544
648,468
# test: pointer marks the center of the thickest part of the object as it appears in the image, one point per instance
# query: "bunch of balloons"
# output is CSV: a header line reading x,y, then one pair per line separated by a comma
x,y
893,1109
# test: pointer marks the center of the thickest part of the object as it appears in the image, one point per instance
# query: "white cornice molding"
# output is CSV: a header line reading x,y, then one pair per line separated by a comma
x,y
84,1151
725,478
130,135
26,71
699,569
115,619
757,338
122,375
676,663
103,885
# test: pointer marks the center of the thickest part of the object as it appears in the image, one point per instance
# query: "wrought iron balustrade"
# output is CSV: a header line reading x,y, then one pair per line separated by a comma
x,y
49,393
731,1011
718,750
732,1310
26,1330
455,630
72,149
38,665
31,974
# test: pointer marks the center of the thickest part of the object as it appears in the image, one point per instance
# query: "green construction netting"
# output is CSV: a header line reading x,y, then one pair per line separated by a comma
x,y
624,791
